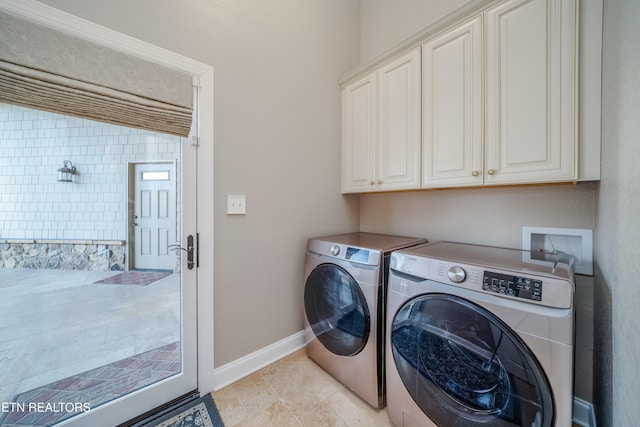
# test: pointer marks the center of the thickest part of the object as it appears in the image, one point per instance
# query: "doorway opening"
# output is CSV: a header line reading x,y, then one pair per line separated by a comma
x,y
92,332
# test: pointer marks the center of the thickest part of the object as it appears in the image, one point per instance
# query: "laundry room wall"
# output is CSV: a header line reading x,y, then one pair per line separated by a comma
x,y
489,216
277,141
384,23
617,291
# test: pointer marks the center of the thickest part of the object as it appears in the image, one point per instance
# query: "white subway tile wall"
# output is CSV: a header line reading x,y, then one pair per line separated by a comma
x,y
34,144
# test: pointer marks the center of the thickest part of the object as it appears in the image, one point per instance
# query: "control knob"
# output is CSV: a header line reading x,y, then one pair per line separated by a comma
x,y
335,250
457,274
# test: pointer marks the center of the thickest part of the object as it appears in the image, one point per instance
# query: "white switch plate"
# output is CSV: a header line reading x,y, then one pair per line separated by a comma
x,y
574,241
236,204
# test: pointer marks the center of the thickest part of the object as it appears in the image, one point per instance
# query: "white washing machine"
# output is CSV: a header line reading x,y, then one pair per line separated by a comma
x,y
344,293
479,335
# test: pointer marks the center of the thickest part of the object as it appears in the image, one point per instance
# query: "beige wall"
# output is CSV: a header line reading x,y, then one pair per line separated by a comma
x,y
492,216
277,140
617,355
385,23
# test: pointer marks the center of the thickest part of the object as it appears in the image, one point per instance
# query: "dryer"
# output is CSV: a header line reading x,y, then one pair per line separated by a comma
x,y
344,310
479,335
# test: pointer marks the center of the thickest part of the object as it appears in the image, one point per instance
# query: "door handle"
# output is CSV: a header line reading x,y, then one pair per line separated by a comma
x,y
189,250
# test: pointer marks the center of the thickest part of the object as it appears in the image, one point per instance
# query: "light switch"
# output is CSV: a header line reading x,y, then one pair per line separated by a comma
x,y
236,204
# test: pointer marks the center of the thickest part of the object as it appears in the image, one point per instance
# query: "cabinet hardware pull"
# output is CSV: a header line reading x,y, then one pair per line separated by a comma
x,y
491,172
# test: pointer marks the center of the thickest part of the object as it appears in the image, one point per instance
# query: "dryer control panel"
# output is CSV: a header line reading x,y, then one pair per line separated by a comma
x,y
515,286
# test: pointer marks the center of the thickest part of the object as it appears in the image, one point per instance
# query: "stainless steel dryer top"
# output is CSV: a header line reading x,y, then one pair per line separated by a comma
x,y
338,245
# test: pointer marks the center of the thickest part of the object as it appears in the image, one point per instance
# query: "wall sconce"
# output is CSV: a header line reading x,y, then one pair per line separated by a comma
x,y
66,172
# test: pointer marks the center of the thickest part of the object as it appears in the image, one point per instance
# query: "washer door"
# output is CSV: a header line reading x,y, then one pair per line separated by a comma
x,y
463,366
336,310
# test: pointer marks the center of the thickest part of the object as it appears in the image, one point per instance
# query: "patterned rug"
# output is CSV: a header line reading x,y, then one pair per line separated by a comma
x,y
42,406
140,278
199,413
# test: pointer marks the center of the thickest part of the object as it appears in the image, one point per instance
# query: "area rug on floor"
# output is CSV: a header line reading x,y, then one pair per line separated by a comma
x,y
140,278
199,413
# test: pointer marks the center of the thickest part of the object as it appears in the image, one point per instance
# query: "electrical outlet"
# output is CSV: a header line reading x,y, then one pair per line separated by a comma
x,y
545,242
236,204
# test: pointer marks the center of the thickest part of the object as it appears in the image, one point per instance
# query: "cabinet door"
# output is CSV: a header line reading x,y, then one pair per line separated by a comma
x,y
398,154
359,135
452,108
531,81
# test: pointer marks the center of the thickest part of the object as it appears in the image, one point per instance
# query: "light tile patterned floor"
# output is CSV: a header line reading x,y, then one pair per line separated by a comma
x,y
294,391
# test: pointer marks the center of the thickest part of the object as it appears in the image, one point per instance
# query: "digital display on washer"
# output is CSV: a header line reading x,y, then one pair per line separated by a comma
x,y
515,286
357,254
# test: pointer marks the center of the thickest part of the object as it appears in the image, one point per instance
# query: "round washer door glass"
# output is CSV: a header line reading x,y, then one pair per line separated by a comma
x,y
336,310
464,366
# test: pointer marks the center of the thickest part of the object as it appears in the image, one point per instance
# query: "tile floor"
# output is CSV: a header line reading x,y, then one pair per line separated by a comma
x,y
294,391
55,324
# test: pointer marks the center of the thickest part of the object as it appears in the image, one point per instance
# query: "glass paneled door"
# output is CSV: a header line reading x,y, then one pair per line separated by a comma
x,y
90,335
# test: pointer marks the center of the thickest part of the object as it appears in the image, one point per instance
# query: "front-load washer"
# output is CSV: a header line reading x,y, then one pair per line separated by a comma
x,y
344,293
479,335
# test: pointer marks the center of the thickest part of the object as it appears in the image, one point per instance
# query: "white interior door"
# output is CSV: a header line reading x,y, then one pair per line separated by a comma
x,y
154,216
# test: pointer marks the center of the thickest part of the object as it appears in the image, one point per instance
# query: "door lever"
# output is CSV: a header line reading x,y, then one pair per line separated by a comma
x,y
188,250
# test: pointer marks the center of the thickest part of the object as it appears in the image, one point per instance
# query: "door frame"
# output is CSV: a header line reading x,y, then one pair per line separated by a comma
x,y
131,184
203,76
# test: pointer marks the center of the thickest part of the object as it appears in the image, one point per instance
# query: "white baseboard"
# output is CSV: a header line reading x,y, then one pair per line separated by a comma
x,y
583,413
238,369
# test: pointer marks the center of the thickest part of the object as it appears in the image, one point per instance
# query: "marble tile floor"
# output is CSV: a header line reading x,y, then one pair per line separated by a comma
x,y
55,324
294,391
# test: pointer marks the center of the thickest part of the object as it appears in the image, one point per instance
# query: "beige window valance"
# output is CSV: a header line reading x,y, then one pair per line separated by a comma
x,y
48,70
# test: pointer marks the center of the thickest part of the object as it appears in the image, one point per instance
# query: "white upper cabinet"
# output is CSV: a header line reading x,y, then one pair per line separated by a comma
x,y
359,135
531,99
452,106
529,104
488,96
382,128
